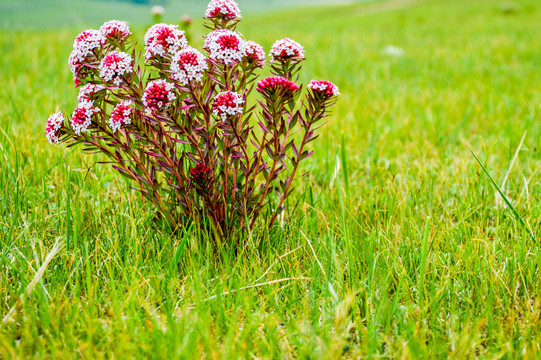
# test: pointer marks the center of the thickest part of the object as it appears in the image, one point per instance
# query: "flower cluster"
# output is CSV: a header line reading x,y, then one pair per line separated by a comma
x,y
54,124
255,53
162,39
223,9
76,66
87,41
83,51
121,114
115,30
158,96
82,116
324,87
277,84
287,49
89,92
200,172
188,65
225,46
114,66
227,104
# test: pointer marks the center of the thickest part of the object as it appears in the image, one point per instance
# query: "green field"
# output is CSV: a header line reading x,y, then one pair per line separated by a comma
x,y
396,246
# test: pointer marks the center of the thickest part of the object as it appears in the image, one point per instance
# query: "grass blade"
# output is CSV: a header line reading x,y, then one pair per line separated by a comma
x,y
503,195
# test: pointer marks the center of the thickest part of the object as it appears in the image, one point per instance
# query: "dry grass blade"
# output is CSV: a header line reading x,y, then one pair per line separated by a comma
x,y
274,263
37,277
226,293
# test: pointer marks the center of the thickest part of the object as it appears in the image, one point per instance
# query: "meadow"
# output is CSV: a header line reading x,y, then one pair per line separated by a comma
x,y
397,245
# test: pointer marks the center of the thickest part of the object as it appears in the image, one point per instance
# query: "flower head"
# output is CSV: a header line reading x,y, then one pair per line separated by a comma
x,y
226,46
287,49
83,52
114,66
200,172
255,53
82,116
323,87
54,124
186,19
87,41
121,114
89,91
158,96
161,39
115,29
223,9
277,84
157,10
227,103
76,66
188,65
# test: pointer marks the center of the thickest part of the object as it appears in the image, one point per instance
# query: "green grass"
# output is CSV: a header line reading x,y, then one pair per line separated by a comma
x,y
409,253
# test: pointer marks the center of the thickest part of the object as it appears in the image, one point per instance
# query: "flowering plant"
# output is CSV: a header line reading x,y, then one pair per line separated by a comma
x,y
185,128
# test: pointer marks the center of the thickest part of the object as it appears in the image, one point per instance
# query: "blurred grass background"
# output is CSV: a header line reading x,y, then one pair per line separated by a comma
x,y
52,14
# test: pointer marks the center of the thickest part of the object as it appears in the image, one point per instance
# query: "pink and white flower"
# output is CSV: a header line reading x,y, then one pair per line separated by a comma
x,y
323,87
255,53
274,84
159,94
114,66
287,49
75,64
115,29
162,39
89,91
84,48
228,103
87,41
188,65
82,116
223,9
54,124
121,114
225,46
